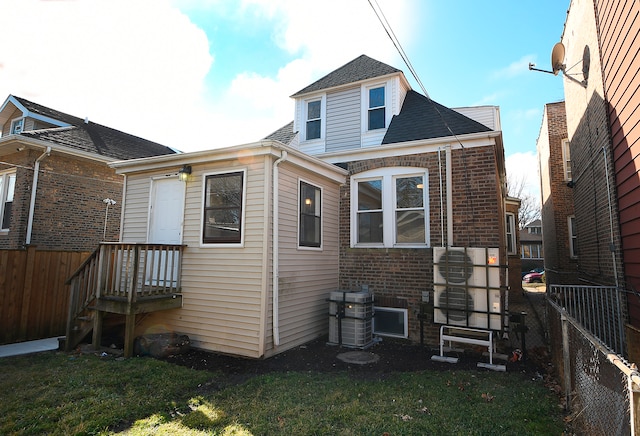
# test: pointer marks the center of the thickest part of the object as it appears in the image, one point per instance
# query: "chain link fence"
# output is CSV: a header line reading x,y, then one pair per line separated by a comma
x,y
598,384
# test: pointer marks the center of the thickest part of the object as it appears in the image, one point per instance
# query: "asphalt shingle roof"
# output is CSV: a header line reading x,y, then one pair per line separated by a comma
x,y
361,68
422,118
91,137
284,134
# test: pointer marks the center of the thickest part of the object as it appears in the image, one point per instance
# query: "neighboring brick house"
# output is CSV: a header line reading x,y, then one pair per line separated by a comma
x,y
63,207
559,236
531,249
55,183
364,117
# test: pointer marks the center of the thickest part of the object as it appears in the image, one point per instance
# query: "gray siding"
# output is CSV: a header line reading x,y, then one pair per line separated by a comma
x,y
343,120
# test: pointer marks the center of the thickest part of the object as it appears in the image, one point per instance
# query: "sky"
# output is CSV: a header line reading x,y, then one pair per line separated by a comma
x,y
203,74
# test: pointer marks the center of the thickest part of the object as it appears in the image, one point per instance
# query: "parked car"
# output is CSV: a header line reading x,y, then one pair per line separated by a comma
x,y
535,270
533,277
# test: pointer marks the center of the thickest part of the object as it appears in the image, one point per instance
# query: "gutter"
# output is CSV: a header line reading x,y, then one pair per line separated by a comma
x,y
275,256
34,188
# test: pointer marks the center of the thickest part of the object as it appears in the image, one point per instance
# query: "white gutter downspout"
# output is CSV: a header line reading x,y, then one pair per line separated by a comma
x,y
449,197
34,187
275,257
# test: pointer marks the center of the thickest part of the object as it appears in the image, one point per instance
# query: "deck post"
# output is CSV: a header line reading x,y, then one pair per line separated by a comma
x,y
97,329
129,334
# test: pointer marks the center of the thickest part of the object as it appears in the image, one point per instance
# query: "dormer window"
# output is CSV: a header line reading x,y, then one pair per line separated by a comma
x,y
17,126
314,119
377,116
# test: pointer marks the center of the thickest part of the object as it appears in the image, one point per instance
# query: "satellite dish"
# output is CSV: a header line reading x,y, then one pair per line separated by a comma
x,y
557,56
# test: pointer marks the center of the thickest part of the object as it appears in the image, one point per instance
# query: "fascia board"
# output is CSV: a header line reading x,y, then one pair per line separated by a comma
x,y
26,113
238,152
13,140
350,85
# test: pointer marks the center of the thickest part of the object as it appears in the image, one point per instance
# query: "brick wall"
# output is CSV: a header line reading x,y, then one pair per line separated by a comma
x,y
399,276
558,204
69,208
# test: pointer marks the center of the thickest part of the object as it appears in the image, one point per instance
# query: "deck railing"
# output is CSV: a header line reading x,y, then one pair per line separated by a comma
x,y
122,272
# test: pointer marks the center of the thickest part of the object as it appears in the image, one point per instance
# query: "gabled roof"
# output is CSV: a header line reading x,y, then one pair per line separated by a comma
x,y
88,136
422,118
284,134
361,68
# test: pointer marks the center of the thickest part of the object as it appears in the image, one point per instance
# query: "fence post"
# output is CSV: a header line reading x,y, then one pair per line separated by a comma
x,y
566,359
25,320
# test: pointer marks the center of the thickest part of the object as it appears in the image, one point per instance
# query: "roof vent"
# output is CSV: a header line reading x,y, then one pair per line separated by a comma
x,y
86,120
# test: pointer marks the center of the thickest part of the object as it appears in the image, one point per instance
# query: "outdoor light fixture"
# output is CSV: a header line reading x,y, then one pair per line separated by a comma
x,y
307,201
184,172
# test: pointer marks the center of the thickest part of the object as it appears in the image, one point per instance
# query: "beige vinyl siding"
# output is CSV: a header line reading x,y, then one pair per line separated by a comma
x,y
136,209
222,286
307,276
343,120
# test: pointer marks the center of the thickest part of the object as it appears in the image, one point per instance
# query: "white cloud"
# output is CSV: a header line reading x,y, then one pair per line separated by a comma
x,y
523,166
141,66
517,68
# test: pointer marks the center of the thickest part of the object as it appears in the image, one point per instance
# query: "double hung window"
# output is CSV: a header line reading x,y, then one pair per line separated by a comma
x,y
310,216
511,233
376,114
7,187
223,208
314,119
389,208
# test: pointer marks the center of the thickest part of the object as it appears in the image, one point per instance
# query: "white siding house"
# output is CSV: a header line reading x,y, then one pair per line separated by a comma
x,y
228,287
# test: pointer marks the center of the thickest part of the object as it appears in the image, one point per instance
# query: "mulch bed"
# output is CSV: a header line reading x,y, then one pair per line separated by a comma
x,y
318,356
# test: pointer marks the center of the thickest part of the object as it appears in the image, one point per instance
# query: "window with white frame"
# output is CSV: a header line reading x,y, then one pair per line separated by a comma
x,y
511,233
314,120
310,225
573,237
223,208
17,125
376,109
389,208
532,251
566,159
7,187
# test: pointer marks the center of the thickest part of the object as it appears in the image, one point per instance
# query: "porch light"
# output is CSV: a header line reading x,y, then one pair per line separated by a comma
x,y
184,173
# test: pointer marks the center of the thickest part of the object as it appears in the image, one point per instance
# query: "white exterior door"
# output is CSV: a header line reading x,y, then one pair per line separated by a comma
x,y
165,227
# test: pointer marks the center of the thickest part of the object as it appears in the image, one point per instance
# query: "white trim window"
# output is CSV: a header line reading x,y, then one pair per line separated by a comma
x,y
566,159
310,222
17,126
511,233
389,208
313,125
7,188
223,208
313,116
573,237
376,107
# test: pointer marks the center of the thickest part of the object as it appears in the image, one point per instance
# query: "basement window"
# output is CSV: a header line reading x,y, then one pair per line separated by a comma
x,y
390,321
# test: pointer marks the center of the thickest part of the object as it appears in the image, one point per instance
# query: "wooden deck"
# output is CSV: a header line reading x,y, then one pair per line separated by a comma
x,y
125,279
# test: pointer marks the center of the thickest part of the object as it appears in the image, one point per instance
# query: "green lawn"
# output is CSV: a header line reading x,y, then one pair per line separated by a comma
x,y
58,393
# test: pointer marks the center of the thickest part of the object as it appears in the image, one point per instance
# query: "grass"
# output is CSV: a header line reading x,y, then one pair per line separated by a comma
x,y
56,393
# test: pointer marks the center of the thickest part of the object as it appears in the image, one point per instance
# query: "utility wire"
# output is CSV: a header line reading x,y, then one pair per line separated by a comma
x,y
392,36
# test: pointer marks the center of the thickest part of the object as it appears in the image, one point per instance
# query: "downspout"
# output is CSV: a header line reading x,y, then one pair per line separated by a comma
x,y
442,244
275,317
34,188
449,197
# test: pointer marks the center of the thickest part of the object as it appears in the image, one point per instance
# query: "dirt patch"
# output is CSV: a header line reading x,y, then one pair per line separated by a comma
x,y
318,356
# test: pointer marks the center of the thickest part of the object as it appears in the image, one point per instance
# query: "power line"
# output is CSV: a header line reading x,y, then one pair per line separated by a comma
x,y
392,36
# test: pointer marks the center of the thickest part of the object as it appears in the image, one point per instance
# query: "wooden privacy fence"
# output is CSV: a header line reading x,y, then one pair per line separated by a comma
x,y
33,294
